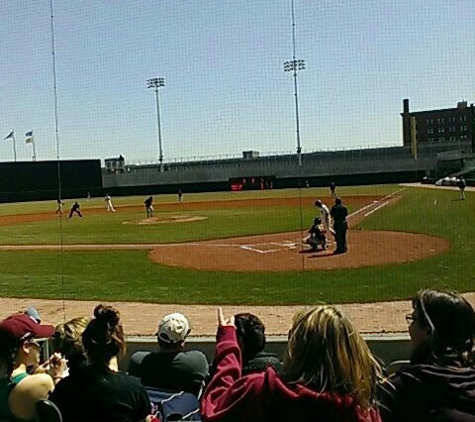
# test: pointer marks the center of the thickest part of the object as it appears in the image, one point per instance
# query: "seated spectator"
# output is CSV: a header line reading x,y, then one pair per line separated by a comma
x,y
329,374
33,313
439,383
20,352
171,367
100,392
67,340
251,339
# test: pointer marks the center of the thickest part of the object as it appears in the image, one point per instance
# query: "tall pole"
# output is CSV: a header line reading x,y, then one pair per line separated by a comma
x,y
157,83
14,147
472,123
295,65
34,149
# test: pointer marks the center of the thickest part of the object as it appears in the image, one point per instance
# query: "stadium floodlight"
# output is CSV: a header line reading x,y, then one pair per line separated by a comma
x,y
156,83
294,66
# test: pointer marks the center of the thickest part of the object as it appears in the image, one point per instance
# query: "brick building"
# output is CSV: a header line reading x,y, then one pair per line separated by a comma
x,y
450,125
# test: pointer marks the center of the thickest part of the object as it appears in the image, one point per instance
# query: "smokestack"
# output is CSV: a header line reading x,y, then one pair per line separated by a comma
x,y
405,106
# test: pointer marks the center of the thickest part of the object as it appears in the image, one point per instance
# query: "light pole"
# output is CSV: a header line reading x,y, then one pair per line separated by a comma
x,y
156,83
294,66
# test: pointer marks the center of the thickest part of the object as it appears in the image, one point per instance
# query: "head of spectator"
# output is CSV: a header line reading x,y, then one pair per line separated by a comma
x,y
20,356
33,313
318,203
327,354
442,329
103,338
19,347
250,334
173,329
67,340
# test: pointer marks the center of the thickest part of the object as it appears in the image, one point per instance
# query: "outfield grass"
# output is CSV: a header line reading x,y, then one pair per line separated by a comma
x,y
129,275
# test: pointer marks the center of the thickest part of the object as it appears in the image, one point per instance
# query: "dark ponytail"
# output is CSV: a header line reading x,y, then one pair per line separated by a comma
x,y
103,337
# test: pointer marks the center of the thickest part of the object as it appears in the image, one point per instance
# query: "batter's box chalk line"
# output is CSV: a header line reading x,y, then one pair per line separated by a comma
x,y
270,247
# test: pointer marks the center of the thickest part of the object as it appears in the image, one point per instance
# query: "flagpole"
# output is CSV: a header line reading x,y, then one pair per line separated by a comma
x,y
14,146
34,149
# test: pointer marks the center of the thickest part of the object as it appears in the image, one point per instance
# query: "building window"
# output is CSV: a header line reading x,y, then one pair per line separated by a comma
x,y
463,128
452,139
441,130
430,130
463,118
452,129
463,137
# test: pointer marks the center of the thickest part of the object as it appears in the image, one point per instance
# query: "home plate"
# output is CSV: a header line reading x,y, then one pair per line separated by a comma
x,y
270,247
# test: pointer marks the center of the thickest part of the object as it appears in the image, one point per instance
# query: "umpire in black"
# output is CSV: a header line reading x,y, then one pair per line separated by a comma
x,y
339,213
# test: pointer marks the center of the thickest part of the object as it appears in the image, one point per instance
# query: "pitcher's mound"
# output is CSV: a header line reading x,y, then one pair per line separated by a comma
x,y
165,219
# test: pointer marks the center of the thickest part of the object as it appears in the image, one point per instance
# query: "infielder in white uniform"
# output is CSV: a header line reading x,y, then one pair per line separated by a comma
x,y
108,200
324,214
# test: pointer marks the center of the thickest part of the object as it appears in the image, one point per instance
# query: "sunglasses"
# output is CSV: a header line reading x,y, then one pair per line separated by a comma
x,y
410,318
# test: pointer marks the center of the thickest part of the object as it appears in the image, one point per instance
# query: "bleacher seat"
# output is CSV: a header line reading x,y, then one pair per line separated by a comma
x,y
47,411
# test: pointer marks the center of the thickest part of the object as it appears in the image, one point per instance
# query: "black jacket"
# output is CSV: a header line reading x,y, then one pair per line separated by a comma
x,y
430,393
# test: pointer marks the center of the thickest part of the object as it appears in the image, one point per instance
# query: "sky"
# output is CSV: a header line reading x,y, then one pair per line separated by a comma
x,y
222,60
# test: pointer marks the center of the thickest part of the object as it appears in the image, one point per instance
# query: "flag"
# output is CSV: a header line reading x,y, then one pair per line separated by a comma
x,y
29,137
10,135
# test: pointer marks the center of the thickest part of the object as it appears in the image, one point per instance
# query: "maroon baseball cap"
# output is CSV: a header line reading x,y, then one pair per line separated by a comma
x,y
22,326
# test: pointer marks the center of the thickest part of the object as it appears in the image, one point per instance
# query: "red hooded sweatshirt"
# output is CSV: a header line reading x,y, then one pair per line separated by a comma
x,y
263,396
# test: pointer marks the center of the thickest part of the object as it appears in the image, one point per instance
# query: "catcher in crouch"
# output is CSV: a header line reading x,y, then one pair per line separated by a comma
x,y
317,235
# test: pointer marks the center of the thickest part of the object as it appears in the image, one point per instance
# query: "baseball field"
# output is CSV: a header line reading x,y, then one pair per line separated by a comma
x,y
239,248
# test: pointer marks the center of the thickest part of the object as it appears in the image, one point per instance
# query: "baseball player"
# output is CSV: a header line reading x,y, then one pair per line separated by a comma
x,y
60,204
148,206
324,214
332,189
108,200
461,185
75,208
317,235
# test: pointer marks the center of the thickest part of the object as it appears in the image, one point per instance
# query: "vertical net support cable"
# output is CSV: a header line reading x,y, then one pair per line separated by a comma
x,y
296,66
58,161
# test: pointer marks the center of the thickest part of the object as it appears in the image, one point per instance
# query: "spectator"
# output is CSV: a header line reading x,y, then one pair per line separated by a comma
x,y
251,338
67,340
33,313
100,392
20,353
439,383
171,368
329,374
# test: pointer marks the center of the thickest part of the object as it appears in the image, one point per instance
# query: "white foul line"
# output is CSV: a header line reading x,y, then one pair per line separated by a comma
x,y
376,202
377,208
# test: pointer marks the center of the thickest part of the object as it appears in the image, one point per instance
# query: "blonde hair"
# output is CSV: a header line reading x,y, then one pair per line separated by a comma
x,y
326,353
67,336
